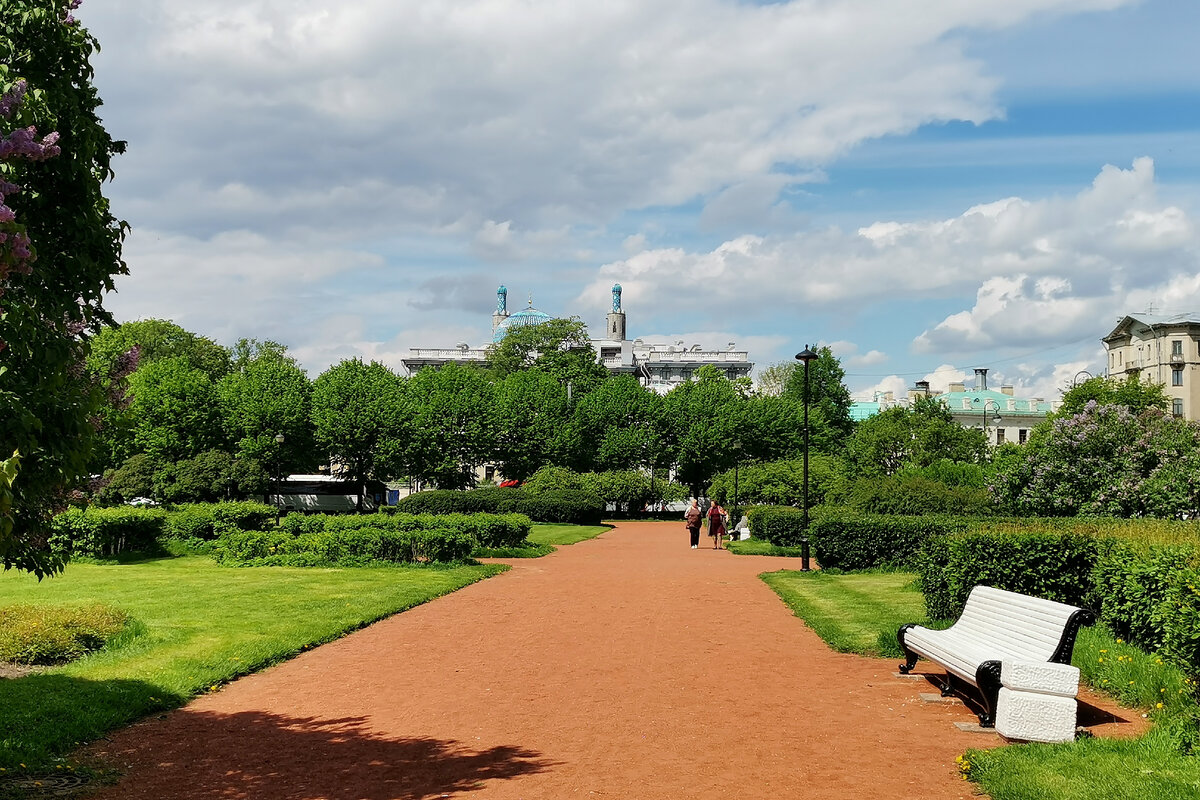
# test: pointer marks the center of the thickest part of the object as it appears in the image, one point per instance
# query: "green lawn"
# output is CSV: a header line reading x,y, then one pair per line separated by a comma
x,y
543,539
860,613
757,547
196,626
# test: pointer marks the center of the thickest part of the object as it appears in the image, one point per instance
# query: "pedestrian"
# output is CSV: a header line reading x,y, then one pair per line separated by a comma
x,y
693,519
716,525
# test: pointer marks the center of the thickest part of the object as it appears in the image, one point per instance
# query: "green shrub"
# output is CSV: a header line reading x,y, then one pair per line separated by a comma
x,y
205,521
349,547
846,539
55,634
910,492
104,532
779,525
559,505
490,530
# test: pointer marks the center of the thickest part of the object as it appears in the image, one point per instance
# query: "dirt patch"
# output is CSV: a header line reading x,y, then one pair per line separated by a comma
x,y
10,669
624,666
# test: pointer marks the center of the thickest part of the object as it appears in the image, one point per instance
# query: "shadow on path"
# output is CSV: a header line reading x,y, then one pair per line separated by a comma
x,y
256,754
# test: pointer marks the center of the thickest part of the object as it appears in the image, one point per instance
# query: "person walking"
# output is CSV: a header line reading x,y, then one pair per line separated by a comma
x,y
692,520
716,525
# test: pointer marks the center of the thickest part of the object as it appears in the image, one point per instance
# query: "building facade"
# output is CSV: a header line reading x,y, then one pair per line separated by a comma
x,y
658,365
1163,350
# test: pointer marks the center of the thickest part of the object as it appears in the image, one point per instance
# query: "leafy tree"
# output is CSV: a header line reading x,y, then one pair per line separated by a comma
x,y
773,380
155,340
532,423
772,428
204,479
267,395
921,435
455,416
175,411
826,387
134,478
618,426
1106,460
701,418
361,414
778,482
558,347
60,252
1130,393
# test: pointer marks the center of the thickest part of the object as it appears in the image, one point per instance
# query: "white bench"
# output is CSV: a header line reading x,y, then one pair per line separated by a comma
x,y
995,626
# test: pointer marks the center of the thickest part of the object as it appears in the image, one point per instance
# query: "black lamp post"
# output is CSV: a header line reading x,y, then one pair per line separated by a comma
x,y
1075,380
737,458
278,474
995,418
806,355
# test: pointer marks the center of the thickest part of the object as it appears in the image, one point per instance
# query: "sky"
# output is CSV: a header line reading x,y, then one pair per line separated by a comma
x,y
925,187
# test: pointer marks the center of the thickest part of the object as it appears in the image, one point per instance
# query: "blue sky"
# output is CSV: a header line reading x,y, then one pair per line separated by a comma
x,y
926,187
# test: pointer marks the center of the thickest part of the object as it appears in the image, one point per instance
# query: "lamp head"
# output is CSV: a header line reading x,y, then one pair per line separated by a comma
x,y
806,355
279,438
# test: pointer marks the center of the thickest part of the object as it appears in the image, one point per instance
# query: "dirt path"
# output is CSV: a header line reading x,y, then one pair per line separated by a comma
x,y
628,666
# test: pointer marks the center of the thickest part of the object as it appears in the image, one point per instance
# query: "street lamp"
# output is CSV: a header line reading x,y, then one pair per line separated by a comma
x,y
1075,380
984,409
737,457
806,355
278,473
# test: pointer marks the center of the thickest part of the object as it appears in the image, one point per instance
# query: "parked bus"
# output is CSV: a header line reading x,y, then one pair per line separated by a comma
x,y
326,494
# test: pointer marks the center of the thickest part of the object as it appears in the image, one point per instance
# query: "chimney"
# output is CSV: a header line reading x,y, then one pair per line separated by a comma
x,y
957,387
923,387
980,379
1008,390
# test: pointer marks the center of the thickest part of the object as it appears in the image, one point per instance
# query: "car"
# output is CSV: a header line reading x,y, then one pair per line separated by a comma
x,y
144,502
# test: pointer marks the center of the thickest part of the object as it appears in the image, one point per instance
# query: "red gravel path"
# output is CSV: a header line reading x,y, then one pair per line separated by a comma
x,y
628,666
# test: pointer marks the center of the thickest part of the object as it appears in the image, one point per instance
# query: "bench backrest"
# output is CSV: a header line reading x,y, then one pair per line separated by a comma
x,y
1016,625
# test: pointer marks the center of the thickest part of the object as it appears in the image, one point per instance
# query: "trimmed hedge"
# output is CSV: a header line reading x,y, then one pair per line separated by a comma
x,y
563,505
208,520
105,532
779,525
343,548
847,539
56,634
490,530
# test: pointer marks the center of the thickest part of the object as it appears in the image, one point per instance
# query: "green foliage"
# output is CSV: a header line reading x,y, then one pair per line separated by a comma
x,y
778,482
779,525
560,348
56,634
559,505
48,402
920,435
489,530
205,479
701,424
455,415
826,390
357,547
175,411
915,491
156,340
844,539
105,532
206,521
134,478
1131,393
267,395
1104,461
362,418
618,426
532,423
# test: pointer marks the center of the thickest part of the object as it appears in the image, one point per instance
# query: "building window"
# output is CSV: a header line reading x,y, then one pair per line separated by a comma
x,y
999,435
1177,376
1176,347
1022,435
1177,406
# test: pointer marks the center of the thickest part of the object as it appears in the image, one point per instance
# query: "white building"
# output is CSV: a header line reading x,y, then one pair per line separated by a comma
x,y
658,365
1163,350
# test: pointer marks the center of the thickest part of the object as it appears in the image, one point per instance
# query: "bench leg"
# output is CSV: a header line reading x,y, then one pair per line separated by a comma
x,y
987,678
910,658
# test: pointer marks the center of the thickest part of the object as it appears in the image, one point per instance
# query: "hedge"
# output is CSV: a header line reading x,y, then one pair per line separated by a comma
x,y
562,505
105,532
779,525
847,539
490,530
207,520
345,548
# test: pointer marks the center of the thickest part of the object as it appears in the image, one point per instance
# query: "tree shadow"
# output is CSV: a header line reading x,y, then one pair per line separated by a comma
x,y
195,754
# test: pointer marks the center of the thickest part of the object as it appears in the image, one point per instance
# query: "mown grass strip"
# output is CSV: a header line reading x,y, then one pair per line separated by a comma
x,y
198,625
758,547
543,540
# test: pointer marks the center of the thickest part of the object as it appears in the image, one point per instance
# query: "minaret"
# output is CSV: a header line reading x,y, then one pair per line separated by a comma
x,y
616,317
501,312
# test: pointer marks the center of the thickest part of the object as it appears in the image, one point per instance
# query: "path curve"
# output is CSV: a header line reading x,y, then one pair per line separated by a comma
x,y
627,666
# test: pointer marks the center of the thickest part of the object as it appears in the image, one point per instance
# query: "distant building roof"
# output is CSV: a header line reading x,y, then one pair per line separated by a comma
x,y
525,318
1151,321
860,410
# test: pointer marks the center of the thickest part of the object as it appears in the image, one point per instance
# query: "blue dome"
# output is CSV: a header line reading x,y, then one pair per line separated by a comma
x,y
522,319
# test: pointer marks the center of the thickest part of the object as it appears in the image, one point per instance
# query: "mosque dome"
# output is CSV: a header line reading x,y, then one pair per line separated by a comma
x,y
522,319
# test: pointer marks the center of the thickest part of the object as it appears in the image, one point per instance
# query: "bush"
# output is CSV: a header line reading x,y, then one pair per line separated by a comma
x,y
846,539
105,532
207,520
55,634
778,482
779,525
911,493
559,505
349,547
490,530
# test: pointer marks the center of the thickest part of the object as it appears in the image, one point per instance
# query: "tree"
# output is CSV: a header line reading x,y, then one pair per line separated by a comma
x,y
558,347
155,340
618,426
532,423
826,389
1130,393
919,435
701,420
175,411
266,395
455,416
61,248
772,428
773,380
361,416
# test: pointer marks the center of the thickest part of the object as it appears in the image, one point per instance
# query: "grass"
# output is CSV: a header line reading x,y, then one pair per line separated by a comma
x,y
860,612
853,613
195,626
759,547
543,539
